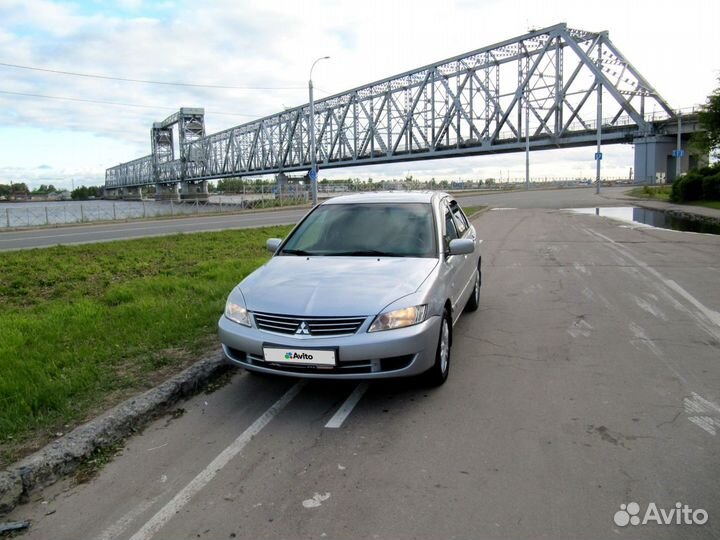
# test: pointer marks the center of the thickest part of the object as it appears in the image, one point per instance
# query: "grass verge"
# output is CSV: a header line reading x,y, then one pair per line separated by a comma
x,y
658,193
707,204
83,327
662,193
470,211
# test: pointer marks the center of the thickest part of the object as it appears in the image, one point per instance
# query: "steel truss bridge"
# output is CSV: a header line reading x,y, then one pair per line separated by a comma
x,y
545,89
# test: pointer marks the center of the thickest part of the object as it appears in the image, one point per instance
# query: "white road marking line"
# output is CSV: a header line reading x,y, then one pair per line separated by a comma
x,y
703,413
651,308
706,318
208,473
642,337
346,408
117,528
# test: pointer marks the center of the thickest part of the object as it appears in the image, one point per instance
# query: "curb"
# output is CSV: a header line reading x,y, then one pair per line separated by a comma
x,y
63,456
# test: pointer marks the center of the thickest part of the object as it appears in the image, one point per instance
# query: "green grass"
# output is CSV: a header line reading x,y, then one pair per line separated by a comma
x,y
707,204
658,193
82,327
662,193
471,210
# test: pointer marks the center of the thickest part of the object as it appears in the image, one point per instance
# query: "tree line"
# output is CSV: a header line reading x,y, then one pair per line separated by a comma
x,y
20,190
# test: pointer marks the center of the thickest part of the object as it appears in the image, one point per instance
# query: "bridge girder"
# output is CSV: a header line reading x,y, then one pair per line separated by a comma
x,y
473,103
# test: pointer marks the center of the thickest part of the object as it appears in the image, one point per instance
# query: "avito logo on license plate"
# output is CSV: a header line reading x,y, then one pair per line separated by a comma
x,y
312,357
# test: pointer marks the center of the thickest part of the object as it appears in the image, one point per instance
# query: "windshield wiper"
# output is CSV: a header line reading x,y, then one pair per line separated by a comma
x,y
299,252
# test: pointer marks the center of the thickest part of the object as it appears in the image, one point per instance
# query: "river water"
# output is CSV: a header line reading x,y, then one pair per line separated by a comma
x,y
33,214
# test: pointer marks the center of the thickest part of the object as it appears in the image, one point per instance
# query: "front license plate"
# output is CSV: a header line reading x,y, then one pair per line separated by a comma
x,y
304,357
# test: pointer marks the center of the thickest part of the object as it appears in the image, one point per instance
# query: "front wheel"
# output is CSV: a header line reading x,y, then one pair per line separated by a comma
x,y
438,373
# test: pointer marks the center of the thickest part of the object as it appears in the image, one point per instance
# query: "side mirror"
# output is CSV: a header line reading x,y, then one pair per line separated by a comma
x,y
461,246
273,244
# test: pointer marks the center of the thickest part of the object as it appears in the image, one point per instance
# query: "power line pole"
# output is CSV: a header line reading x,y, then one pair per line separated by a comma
x,y
679,152
598,153
313,156
527,139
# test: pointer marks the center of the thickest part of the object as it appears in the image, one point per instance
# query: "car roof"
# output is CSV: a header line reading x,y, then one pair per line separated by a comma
x,y
387,197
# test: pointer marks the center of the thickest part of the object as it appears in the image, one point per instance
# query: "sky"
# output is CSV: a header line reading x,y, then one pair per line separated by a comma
x,y
267,49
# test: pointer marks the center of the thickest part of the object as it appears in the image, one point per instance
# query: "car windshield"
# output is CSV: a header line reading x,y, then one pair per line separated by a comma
x,y
372,229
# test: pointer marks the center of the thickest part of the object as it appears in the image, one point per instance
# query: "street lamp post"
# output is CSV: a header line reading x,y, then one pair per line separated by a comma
x,y
313,156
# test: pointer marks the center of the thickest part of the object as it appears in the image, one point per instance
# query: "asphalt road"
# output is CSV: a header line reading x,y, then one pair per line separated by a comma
x,y
588,379
83,234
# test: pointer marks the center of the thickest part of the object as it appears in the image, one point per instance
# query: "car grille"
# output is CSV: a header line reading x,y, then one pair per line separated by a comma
x,y
316,326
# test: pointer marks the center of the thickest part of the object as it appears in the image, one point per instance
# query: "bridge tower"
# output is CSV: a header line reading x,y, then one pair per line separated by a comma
x,y
170,170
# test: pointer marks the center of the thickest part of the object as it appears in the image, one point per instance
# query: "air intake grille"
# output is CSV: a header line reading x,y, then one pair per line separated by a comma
x,y
314,326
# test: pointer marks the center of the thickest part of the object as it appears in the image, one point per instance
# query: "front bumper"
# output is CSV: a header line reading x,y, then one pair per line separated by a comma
x,y
403,352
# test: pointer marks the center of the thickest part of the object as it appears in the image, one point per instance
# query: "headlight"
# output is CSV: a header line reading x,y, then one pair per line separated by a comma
x,y
237,313
399,318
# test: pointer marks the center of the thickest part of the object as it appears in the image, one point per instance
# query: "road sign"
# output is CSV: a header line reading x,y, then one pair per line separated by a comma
x,y
678,153
598,155
313,174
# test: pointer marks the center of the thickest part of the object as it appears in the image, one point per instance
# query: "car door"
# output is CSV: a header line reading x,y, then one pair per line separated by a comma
x,y
465,230
454,264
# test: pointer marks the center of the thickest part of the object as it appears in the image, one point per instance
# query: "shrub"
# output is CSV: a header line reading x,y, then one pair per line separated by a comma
x,y
675,190
688,187
711,187
691,187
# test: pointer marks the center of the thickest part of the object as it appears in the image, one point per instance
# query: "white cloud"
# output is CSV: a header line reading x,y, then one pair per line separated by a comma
x,y
273,44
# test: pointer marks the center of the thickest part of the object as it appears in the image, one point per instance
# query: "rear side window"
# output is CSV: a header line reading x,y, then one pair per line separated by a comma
x,y
460,219
451,232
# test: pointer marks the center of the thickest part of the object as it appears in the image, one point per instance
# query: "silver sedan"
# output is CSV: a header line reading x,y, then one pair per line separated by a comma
x,y
365,286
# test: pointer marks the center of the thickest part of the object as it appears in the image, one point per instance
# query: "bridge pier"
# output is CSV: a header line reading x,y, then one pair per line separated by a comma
x,y
194,191
111,193
282,180
654,162
167,192
289,186
131,193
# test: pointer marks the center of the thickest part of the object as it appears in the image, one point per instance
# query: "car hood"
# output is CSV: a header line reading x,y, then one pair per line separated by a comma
x,y
332,286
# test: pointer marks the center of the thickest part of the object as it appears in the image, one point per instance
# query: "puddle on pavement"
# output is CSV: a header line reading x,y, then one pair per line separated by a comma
x,y
650,218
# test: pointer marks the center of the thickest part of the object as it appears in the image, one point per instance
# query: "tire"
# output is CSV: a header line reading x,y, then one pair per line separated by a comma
x,y
474,301
438,373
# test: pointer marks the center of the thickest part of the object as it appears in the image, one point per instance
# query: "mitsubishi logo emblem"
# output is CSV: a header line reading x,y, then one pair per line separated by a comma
x,y
303,329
